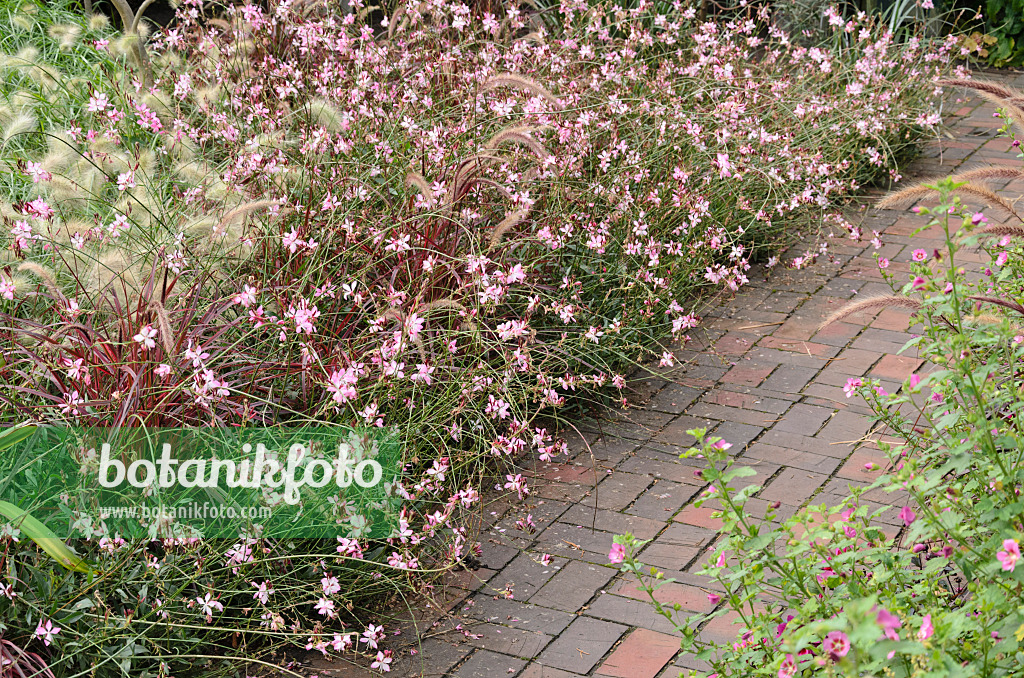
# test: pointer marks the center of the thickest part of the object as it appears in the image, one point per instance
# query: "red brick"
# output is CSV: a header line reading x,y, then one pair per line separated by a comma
x,y
854,469
735,343
691,598
797,346
895,319
642,655
747,376
699,516
896,367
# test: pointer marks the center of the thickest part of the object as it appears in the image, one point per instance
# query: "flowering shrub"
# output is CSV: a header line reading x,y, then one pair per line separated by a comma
x,y
276,217
826,592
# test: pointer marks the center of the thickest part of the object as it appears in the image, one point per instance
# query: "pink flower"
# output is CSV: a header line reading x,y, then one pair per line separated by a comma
x,y
617,554
721,445
907,515
918,283
714,598
1010,554
46,630
837,644
926,628
788,668
721,560
883,262
889,623
919,255
852,384
915,380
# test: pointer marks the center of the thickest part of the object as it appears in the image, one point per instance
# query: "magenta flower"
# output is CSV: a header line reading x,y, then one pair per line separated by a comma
x,y
907,515
852,384
1010,554
926,628
918,282
915,380
889,623
919,255
714,598
617,554
836,644
788,668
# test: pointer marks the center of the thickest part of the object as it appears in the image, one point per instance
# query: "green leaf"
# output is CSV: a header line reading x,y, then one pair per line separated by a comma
x,y
44,537
12,436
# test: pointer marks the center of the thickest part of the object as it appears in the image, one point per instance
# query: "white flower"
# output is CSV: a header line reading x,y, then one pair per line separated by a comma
x,y
145,337
208,605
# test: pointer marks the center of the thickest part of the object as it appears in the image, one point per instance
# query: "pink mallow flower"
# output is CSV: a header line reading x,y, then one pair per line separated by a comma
x,y
907,515
617,554
926,628
1010,554
852,384
889,623
836,644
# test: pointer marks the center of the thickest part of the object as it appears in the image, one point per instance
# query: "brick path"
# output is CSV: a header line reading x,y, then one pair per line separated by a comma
x,y
759,376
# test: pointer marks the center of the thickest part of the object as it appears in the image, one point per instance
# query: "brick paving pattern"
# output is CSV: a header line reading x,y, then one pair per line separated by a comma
x,y
758,374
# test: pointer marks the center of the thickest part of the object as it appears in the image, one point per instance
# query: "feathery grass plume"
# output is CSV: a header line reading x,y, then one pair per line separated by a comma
x,y
44,78
202,227
207,96
1000,231
98,22
1000,95
21,123
25,56
22,100
993,172
193,171
520,82
416,180
63,231
506,224
23,22
872,303
164,323
519,135
114,269
49,281
241,212
326,114
159,102
975,191
65,35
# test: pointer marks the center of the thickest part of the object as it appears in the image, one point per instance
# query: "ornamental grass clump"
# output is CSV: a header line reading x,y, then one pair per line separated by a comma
x,y
826,592
450,228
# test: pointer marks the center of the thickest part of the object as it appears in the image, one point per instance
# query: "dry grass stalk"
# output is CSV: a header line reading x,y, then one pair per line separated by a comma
x,y
1005,97
520,82
164,323
1001,230
506,224
45,275
919,191
870,304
